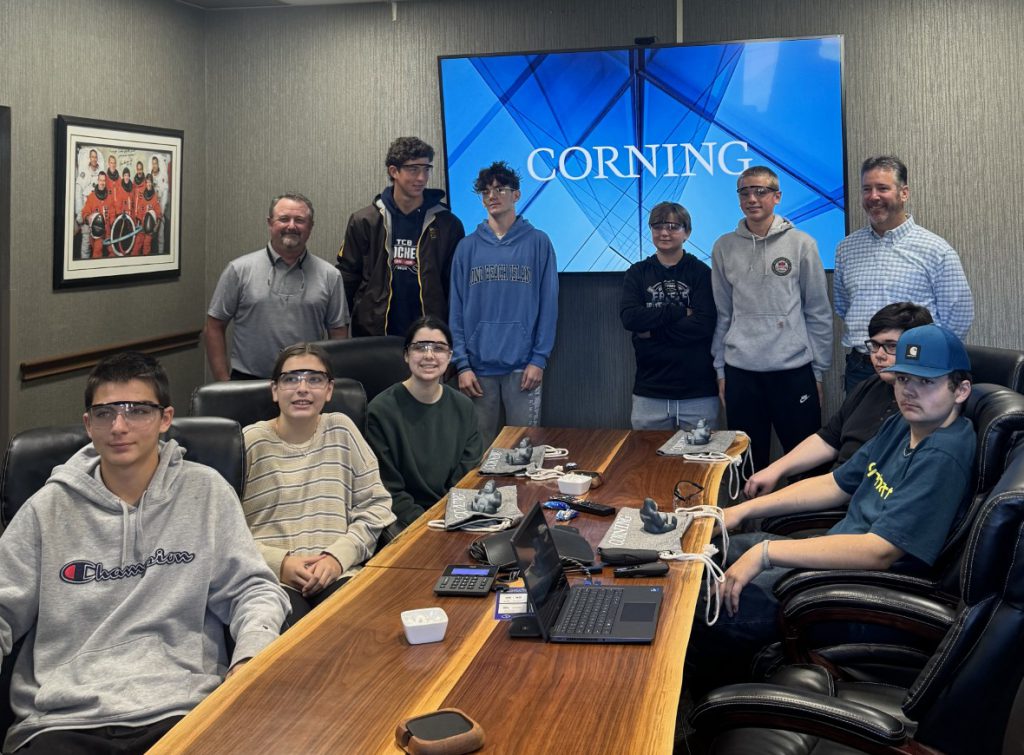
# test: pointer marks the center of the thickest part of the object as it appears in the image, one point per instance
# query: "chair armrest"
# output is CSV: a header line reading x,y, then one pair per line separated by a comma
x,y
826,621
773,707
865,603
805,579
387,535
793,524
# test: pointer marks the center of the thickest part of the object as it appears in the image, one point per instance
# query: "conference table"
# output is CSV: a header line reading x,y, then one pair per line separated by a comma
x,y
342,678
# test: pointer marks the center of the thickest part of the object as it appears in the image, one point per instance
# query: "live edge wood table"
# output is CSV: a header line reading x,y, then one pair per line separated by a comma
x,y
340,680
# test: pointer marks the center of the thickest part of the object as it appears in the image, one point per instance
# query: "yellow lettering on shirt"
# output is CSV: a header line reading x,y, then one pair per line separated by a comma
x,y
883,490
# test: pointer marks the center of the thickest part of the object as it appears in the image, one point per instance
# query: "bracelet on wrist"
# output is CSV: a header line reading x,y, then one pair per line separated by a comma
x,y
766,561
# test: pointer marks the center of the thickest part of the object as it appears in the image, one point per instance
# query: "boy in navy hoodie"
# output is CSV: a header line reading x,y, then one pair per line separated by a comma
x,y
504,307
121,574
668,305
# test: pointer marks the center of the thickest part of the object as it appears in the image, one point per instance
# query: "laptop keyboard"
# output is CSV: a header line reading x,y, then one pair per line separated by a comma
x,y
590,611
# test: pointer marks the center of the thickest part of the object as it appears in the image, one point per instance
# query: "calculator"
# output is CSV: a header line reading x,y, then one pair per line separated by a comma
x,y
466,581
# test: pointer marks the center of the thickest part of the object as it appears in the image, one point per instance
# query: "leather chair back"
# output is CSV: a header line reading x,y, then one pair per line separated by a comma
x,y
248,401
32,455
1000,366
998,417
965,695
378,362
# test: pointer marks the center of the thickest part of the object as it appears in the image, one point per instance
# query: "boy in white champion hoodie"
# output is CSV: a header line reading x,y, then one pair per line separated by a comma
x,y
121,574
773,341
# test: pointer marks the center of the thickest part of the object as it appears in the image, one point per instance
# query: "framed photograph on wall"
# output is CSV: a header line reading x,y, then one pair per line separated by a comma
x,y
117,211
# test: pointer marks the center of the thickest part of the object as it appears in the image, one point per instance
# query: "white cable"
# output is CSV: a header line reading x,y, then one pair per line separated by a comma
x,y
737,467
714,577
709,512
540,474
474,525
551,452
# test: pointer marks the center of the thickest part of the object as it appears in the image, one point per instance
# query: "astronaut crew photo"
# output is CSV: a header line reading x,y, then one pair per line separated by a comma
x,y
115,217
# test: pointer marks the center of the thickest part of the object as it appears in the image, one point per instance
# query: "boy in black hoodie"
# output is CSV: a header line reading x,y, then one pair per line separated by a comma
x,y
668,305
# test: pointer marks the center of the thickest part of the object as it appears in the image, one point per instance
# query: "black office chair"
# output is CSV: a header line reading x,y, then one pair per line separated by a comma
x,y
964,700
32,454
378,362
248,401
1000,366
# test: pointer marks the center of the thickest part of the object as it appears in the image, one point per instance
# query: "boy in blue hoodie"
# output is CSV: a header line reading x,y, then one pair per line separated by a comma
x,y
120,575
504,307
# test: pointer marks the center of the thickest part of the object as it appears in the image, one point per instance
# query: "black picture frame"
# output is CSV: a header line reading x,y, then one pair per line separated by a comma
x,y
120,235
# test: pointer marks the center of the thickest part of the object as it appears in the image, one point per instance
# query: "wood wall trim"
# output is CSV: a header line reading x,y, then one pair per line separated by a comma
x,y
83,360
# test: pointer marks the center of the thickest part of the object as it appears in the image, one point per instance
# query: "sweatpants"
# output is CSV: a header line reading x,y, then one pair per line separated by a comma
x,y
787,400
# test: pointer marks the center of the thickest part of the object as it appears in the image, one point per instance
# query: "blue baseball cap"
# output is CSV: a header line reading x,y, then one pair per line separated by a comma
x,y
929,351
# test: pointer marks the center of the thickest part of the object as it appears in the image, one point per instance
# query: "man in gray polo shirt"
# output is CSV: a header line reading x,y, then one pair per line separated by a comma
x,y
277,296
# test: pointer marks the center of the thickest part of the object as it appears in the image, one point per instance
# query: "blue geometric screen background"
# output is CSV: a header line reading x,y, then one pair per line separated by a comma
x,y
600,137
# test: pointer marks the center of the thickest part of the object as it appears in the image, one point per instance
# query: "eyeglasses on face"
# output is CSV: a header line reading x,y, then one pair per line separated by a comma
x,y
497,191
432,347
312,378
135,413
670,227
417,169
757,191
692,490
889,347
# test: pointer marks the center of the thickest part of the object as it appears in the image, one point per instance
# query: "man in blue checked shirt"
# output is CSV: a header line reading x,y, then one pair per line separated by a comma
x,y
891,260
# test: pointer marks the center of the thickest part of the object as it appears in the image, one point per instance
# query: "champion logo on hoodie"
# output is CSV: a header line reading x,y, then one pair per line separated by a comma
x,y
81,572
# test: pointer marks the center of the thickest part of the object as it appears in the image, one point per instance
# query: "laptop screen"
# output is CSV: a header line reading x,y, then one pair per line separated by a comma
x,y
541,568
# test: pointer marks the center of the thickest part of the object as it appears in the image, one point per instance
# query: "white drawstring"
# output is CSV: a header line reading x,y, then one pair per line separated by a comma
x,y
540,474
738,466
714,575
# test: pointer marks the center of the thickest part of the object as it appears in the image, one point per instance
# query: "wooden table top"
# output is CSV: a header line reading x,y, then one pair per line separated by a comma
x,y
341,679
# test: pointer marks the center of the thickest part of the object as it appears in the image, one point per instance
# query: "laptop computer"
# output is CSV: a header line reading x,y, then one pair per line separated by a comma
x,y
582,613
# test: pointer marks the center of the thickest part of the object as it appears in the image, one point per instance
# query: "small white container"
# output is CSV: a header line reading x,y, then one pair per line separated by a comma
x,y
574,484
424,625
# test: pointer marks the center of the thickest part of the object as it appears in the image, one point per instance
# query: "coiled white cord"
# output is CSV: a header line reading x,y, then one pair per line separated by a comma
x,y
740,467
714,575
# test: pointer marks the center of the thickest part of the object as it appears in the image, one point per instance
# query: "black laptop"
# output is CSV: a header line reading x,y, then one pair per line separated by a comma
x,y
584,613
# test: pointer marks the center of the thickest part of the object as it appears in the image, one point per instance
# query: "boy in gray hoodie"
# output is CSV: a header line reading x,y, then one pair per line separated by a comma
x,y
121,574
773,340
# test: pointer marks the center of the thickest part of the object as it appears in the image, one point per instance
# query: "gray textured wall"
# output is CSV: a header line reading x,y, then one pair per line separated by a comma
x,y
61,57
939,83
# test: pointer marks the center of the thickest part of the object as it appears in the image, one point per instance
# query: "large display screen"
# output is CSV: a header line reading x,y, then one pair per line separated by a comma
x,y
601,136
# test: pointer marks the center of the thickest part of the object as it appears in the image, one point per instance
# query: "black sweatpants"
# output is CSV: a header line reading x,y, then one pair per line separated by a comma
x,y
785,399
102,740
